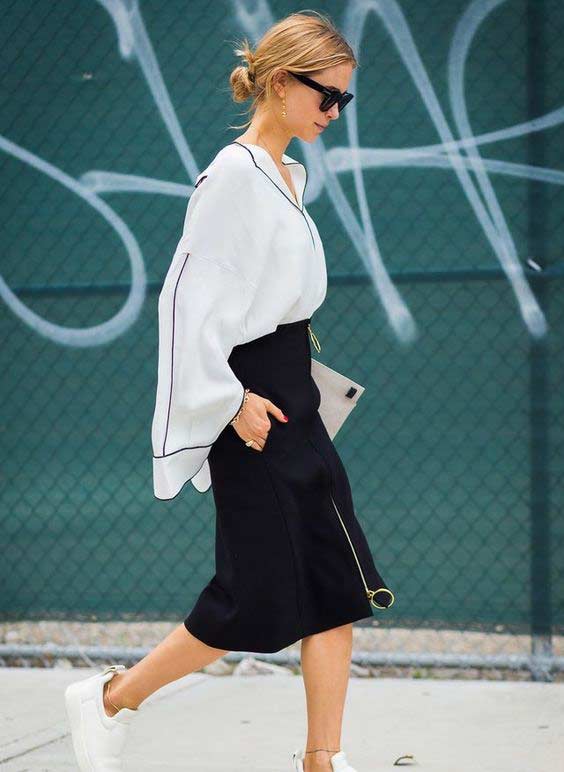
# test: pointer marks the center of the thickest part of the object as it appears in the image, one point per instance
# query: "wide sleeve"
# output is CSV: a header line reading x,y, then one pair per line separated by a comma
x,y
201,317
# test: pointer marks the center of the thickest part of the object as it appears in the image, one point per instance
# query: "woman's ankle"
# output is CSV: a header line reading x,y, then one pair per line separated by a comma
x,y
115,696
315,760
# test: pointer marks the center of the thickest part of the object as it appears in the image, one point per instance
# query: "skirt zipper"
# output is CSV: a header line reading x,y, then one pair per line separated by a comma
x,y
313,337
369,593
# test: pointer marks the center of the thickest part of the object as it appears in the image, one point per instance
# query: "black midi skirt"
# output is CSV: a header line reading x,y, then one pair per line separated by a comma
x,y
291,558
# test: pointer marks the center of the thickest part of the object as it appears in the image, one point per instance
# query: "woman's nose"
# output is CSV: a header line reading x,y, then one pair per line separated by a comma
x,y
333,111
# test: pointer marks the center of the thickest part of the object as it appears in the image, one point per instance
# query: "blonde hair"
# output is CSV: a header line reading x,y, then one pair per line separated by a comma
x,y
297,43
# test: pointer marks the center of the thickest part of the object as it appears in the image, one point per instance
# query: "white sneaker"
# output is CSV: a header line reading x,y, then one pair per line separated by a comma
x,y
338,761
97,738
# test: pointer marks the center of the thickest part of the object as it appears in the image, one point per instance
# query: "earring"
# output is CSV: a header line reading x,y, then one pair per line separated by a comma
x,y
283,107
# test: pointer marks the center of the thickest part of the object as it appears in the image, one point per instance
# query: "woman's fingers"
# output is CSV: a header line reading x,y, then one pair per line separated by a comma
x,y
254,422
275,410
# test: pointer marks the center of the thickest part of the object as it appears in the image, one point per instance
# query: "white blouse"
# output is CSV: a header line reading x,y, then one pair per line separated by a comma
x,y
250,258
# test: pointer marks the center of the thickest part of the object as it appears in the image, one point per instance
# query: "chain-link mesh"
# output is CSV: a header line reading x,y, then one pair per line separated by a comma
x,y
454,452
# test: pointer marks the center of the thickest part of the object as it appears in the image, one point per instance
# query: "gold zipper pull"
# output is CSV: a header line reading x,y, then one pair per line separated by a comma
x,y
369,593
372,593
313,337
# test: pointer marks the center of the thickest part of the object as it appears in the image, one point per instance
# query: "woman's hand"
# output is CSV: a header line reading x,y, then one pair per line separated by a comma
x,y
253,423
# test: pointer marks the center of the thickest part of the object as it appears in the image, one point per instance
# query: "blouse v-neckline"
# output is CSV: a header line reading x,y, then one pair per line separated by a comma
x,y
296,200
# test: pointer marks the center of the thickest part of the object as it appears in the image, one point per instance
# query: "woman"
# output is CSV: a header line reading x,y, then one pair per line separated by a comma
x,y
237,409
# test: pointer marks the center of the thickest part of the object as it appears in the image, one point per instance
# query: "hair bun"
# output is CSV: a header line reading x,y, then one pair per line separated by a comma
x,y
251,65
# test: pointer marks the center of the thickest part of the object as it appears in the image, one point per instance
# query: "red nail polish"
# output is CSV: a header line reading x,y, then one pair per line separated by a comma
x,y
285,417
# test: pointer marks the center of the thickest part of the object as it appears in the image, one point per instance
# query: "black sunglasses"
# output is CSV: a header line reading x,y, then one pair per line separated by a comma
x,y
331,95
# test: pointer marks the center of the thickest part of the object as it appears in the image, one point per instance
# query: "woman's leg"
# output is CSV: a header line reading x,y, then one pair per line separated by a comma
x,y
326,659
175,656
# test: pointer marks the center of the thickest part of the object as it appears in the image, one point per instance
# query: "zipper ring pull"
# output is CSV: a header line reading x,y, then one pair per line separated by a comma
x,y
314,339
372,593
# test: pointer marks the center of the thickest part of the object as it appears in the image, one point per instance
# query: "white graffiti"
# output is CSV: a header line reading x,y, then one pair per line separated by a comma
x,y
460,154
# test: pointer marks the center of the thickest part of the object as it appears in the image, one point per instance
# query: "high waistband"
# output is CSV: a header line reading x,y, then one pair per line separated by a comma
x,y
286,334
296,323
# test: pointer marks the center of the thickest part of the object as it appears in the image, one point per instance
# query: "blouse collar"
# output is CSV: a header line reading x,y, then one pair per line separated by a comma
x,y
264,161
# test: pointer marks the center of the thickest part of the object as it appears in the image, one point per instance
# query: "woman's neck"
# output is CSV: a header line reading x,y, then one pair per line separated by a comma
x,y
267,136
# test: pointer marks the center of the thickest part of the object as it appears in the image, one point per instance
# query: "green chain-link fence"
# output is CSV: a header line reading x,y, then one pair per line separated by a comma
x,y
455,452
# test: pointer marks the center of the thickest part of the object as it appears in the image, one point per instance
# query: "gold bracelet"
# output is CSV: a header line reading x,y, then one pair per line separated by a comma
x,y
245,398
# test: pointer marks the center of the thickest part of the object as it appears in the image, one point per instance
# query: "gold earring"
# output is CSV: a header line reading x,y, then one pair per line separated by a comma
x,y
283,107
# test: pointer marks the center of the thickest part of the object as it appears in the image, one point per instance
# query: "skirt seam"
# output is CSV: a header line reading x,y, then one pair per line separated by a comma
x,y
283,516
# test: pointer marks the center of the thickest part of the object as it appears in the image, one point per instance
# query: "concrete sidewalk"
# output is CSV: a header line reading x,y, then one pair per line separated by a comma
x,y
206,723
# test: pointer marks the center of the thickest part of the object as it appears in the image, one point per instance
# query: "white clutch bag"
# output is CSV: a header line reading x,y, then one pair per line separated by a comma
x,y
339,394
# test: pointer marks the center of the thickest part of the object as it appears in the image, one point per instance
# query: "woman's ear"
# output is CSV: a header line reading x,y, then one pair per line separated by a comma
x,y
280,82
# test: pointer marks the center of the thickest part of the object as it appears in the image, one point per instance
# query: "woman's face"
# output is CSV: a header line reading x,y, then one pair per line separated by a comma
x,y
304,119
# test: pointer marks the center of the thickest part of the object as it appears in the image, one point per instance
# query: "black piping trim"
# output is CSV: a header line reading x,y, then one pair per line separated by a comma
x,y
193,447
291,163
172,352
196,447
